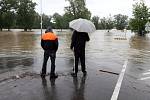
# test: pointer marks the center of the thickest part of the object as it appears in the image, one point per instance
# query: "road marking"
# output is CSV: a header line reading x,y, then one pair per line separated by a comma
x,y
149,70
146,73
145,78
119,82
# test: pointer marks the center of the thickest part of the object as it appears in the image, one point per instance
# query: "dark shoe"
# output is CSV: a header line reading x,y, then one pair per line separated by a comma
x,y
84,73
74,74
43,76
53,76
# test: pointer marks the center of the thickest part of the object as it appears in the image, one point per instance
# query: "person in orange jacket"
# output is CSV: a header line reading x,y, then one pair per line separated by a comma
x,y
49,43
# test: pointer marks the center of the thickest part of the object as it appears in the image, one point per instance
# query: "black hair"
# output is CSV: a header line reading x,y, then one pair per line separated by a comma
x,y
49,29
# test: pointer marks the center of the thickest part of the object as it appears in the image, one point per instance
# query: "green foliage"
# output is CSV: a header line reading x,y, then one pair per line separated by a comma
x,y
1,20
133,23
141,14
58,20
26,14
20,11
109,23
106,23
7,19
7,13
66,20
37,21
95,20
120,21
102,23
77,9
47,21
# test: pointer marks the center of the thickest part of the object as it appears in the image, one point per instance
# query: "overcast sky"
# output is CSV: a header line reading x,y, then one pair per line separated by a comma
x,y
101,8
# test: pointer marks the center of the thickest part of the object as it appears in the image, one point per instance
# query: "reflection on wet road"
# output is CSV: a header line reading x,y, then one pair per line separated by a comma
x,y
50,93
79,88
21,51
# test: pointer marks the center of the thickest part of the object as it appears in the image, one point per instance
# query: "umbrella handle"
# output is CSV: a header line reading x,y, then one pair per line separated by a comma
x,y
73,63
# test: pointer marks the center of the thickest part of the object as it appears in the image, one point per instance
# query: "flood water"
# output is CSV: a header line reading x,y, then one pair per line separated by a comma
x,y
21,51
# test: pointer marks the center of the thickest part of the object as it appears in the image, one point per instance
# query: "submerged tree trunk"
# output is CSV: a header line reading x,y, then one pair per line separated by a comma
x,y
141,32
25,29
8,29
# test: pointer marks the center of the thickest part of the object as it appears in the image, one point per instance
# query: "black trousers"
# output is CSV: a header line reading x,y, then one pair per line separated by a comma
x,y
52,56
79,55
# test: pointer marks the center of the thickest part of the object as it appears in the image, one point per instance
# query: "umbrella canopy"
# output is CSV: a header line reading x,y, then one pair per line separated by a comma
x,y
82,25
147,26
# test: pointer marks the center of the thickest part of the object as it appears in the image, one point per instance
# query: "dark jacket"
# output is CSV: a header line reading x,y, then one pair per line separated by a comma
x,y
79,40
49,41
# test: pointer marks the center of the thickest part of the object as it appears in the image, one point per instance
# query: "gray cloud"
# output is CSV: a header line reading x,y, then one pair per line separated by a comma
x,y
97,7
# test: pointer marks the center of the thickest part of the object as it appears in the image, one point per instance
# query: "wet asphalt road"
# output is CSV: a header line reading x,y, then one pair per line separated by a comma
x,y
106,51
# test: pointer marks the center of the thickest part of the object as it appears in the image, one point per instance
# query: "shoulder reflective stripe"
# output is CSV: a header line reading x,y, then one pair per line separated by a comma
x,y
49,36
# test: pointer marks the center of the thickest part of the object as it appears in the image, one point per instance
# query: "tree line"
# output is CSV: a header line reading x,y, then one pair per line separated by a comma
x,y
22,14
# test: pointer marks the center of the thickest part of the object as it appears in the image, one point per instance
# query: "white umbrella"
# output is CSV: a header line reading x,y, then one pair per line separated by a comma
x,y
147,26
82,25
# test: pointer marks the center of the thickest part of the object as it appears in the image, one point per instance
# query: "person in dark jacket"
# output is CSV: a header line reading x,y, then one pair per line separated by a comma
x,y
78,42
49,43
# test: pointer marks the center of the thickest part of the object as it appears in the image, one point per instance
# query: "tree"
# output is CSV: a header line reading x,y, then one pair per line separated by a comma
x,y
140,17
109,23
77,9
106,23
58,20
1,19
66,19
7,13
120,21
26,14
95,20
37,21
47,21
102,24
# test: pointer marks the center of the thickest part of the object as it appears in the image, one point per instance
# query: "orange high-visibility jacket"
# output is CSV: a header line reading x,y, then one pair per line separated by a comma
x,y
49,41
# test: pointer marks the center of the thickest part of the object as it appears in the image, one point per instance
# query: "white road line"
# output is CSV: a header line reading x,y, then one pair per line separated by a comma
x,y
118,85
146,73
145,78
149,70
